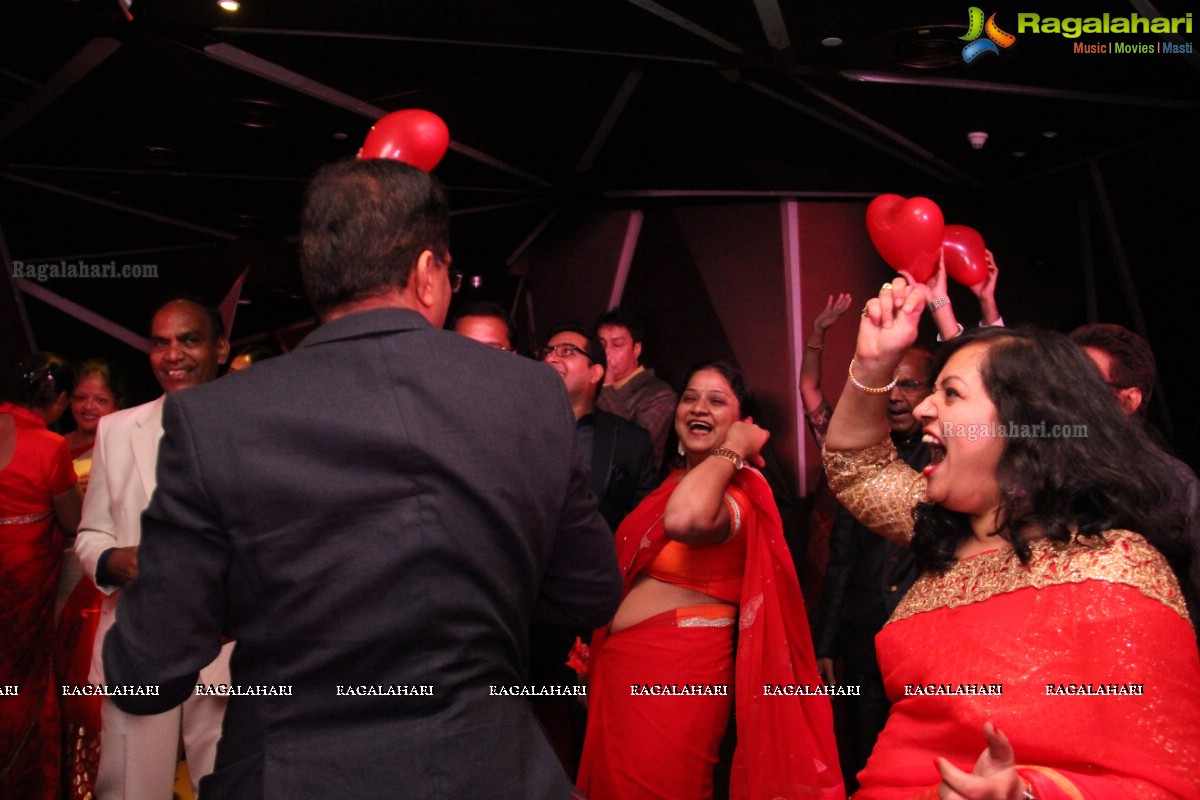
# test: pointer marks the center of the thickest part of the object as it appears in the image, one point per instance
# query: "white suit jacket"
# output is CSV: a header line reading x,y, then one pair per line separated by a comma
x,y
122,480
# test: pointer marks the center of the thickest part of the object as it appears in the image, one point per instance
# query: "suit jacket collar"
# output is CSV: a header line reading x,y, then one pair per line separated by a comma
x,y
604,450
366,323
147,430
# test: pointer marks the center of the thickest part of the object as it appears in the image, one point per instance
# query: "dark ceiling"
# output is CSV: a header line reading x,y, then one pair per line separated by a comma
x,y
176,133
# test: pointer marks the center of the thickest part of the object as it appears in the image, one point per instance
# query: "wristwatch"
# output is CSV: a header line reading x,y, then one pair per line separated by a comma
x,y
735,459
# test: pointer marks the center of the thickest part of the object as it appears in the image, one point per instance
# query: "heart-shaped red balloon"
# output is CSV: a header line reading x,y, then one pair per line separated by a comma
x,y
414,136
907,233
966,255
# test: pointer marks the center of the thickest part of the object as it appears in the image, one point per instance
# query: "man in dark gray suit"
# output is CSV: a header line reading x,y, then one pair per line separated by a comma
x,y
372,530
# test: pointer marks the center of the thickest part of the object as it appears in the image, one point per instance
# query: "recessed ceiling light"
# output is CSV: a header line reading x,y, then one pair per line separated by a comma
x,y
1049,134
229,5
832,41
1018,153
341,137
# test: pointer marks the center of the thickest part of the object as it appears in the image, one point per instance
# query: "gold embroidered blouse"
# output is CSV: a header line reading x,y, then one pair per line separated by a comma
x,y
880,490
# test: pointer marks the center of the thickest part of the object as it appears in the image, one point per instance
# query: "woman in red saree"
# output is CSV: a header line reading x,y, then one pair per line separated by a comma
x,y
1042,629
703,553
36,489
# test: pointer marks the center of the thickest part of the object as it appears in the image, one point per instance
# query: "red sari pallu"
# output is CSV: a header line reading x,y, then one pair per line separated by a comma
x,y
641,744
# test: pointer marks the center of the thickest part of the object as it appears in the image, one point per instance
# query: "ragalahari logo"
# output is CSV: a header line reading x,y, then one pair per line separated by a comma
x,y
996,38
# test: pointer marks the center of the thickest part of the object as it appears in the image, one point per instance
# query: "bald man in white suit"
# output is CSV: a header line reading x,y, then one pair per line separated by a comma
x,y
138,754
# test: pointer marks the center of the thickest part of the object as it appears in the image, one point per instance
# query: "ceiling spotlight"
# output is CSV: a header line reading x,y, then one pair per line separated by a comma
x,y
977,139
832,41
229,5
341,137
1018,153
1049,134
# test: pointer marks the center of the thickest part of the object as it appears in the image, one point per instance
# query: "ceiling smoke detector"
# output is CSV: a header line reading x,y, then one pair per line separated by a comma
x,y
977,139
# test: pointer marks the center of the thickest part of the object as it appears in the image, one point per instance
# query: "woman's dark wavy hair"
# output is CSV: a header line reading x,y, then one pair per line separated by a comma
x,y
41,379
747,404
1107,475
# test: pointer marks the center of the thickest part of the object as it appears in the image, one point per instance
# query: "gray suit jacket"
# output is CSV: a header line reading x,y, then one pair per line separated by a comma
x,y
384,507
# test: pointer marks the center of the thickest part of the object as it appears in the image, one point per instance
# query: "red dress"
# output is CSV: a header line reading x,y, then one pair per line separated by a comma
x,y
30,561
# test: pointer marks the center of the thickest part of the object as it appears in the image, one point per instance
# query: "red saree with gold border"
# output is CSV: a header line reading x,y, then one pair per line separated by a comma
x,y
1084,658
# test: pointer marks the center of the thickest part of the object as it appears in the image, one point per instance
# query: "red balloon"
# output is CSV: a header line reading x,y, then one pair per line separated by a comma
x,y
966,255
414,136
907,233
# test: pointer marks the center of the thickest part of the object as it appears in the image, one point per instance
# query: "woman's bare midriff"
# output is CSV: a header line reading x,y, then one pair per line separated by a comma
x,y
650,596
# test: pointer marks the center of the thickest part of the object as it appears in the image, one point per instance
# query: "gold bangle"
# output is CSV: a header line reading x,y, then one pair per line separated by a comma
x,y
872,389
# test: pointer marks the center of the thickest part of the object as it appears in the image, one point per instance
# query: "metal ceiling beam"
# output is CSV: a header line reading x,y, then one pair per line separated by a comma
x,y
808,194
610,118
268,70
84,315
237,58
496,207
115,253
154,173
1017,89
770,16
14,322
87,198
683,22
909,146
908,152
1088,159
90,56
529,240
1148,10
384,37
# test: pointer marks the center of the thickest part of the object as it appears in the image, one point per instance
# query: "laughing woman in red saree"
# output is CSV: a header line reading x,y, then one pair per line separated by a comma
x,y
1043,629
703,553
36,488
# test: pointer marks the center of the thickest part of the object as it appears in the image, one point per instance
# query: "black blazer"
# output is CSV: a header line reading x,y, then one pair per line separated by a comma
x,y
623,470
383,507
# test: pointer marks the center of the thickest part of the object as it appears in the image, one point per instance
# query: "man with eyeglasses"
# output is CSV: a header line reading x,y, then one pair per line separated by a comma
x,y
865,580
486,323
620,452
623,472
373,529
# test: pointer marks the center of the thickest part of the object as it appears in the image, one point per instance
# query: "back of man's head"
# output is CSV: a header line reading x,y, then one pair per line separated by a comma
x,y
363,226
1131,361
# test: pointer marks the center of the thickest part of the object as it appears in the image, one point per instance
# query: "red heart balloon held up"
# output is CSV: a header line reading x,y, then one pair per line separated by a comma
x,y
966,255
907,233
414,136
